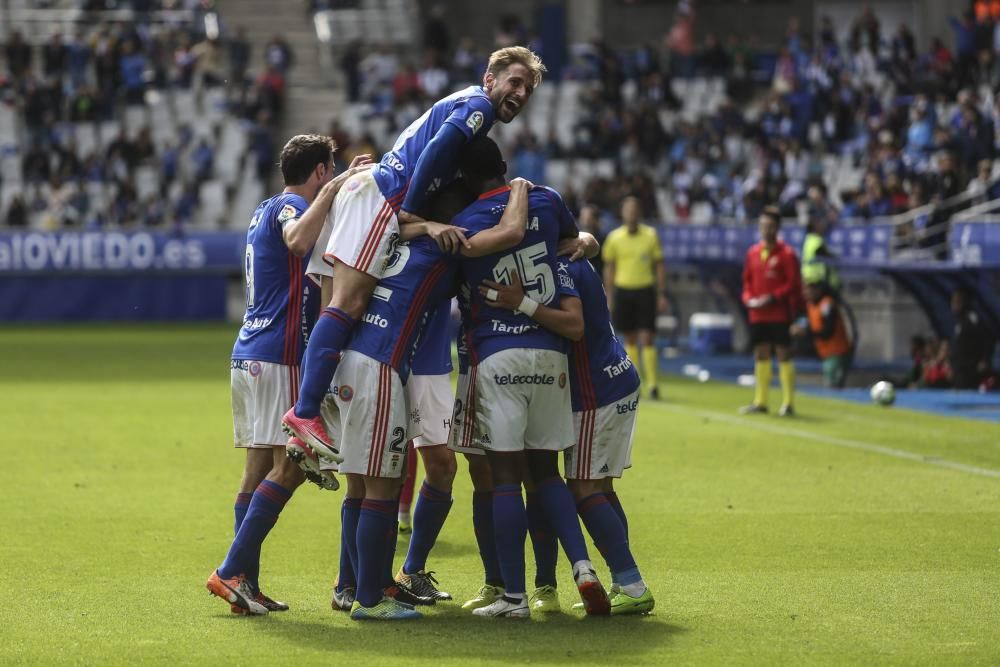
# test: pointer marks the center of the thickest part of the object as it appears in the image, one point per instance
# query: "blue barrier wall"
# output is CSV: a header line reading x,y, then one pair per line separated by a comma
x,y
96,276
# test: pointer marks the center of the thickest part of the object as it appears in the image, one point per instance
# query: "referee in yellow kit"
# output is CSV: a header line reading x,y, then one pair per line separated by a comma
x,y
636,281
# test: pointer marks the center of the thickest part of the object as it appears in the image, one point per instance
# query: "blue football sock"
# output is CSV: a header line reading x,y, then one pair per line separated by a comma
x,y
606,528
560,510
428,517
510,526
388,574
350,511
616,505
543,541
322,355
244,554
482,524
375,528
240,509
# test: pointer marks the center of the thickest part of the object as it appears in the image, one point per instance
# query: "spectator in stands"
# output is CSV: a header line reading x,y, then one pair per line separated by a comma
x,y
436,35
529,159
17,213
18,54
972,345
240,51
965,46
980,183
350,65
278,54
133,73
55,57
680,41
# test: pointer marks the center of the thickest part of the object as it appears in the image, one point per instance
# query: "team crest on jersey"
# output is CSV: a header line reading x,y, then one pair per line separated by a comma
x,y
346,392
475,121
287,213
562,380
254,368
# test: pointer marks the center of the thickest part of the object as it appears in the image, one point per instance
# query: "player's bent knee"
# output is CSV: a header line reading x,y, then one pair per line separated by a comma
x,y
506,468
440,466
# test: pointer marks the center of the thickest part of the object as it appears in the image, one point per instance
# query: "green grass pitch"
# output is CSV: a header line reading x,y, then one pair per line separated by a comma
x,y
840,537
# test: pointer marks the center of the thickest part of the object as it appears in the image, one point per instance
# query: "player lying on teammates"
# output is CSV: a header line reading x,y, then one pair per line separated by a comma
x,y
375,411
281,306
519,372
605,389
366,224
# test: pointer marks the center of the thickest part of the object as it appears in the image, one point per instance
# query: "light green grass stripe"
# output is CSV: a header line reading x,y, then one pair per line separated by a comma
x,y
752,422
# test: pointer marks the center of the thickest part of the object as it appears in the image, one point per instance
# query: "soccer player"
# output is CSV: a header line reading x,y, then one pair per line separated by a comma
x,y
605,392
522,405
636,279
772,294
366,229
376,414
281,305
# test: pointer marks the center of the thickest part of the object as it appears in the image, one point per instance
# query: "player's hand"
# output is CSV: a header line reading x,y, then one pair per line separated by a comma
x,y
508,297
584,245
449,238
333,187
662,304
521,183
360,160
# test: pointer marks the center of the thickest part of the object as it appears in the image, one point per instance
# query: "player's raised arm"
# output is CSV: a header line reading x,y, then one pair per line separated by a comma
x,y
301,233
566,320
584,245
510,230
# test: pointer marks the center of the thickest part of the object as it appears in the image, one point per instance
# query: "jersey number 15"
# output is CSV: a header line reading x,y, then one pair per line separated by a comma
x,y
533,269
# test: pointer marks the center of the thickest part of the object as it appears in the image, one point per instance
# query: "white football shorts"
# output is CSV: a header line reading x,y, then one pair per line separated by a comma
x,y
523,402
432,398
364,228
604,438
262,392
375,421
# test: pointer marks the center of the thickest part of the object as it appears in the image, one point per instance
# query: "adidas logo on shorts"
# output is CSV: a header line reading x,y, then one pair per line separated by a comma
x,y
604,468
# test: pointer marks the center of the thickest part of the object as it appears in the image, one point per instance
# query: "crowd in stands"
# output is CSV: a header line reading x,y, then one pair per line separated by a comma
x,y
852,123
89,112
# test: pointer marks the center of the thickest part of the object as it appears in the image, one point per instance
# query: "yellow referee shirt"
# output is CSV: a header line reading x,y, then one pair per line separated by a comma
x,y
633,256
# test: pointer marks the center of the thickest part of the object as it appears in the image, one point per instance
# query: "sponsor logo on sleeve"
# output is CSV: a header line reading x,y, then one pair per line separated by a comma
x,y
255,368
287,213
562,380
345,392
475,121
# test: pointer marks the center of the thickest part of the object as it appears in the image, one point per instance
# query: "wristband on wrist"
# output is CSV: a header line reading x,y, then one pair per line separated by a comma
x,y
528,306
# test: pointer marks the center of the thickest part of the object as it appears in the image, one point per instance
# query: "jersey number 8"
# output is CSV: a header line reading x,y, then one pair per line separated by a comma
x,y
533,269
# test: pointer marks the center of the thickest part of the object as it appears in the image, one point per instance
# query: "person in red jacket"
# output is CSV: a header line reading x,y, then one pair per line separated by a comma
x,y
772,290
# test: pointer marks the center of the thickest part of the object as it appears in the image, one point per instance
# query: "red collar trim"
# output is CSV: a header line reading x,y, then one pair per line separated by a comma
x,y
487,195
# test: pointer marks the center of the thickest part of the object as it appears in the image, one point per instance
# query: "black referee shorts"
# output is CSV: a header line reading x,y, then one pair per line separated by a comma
x,y
635,309
773,333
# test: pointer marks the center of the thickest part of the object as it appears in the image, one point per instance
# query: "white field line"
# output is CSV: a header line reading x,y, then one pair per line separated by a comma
x,y
756,422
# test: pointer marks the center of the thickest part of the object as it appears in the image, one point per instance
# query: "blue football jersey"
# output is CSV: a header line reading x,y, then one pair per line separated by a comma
x,y
432,355
417,279
492,329
600,372
282,304
470,110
